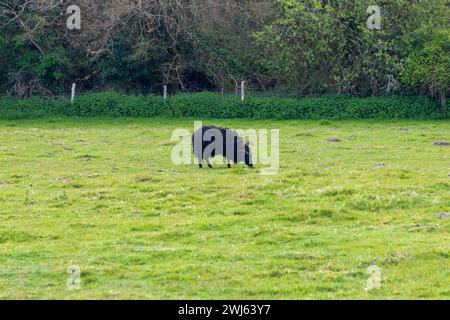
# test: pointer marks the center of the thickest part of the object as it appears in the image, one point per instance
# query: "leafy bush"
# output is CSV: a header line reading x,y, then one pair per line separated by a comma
x,y
428,66
211,105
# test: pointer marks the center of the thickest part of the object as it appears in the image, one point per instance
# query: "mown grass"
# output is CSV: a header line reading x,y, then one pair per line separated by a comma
x,y
104,195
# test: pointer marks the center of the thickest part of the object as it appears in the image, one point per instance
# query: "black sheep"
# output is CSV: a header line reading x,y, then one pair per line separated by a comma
x,y
210,141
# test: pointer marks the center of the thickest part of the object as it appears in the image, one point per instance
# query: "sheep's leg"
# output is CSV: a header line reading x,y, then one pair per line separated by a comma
x,y
208,163
200,165
228,164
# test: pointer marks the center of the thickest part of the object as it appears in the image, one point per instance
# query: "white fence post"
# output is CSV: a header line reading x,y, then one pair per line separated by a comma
x,y
72,96
165,93
243,90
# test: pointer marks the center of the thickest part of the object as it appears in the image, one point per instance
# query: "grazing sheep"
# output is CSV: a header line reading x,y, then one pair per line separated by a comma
x,y
210,141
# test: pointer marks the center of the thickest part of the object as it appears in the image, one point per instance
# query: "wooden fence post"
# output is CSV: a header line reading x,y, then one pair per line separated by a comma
x,y
165,93
243,90
72,96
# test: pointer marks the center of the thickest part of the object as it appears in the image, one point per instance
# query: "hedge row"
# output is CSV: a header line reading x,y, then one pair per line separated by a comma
x,y
211,105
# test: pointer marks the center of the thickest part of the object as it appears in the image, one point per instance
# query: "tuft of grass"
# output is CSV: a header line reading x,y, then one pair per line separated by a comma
x,y
138,226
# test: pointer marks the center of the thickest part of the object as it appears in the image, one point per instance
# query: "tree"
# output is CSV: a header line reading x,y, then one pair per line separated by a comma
x,y
301,46
428,66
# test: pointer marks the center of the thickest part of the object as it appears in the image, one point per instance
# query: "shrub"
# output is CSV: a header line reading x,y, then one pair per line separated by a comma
x,y
211,105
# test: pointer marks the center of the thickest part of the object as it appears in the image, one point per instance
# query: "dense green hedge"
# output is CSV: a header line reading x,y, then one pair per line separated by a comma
x,y
211,105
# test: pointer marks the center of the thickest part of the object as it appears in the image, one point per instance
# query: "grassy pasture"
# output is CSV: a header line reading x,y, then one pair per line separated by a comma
x,y
103,195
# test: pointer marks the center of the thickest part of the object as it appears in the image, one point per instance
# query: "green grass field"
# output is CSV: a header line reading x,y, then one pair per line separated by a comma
x,y
104,195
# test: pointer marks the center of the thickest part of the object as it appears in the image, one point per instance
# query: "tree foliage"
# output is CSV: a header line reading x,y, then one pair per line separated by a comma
x,y
428,67
300,46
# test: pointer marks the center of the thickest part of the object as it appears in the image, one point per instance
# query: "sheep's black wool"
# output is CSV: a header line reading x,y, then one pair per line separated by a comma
x,y
211,141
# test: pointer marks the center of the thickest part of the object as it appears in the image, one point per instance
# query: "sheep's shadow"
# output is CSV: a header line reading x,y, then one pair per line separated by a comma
x,y
222,168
